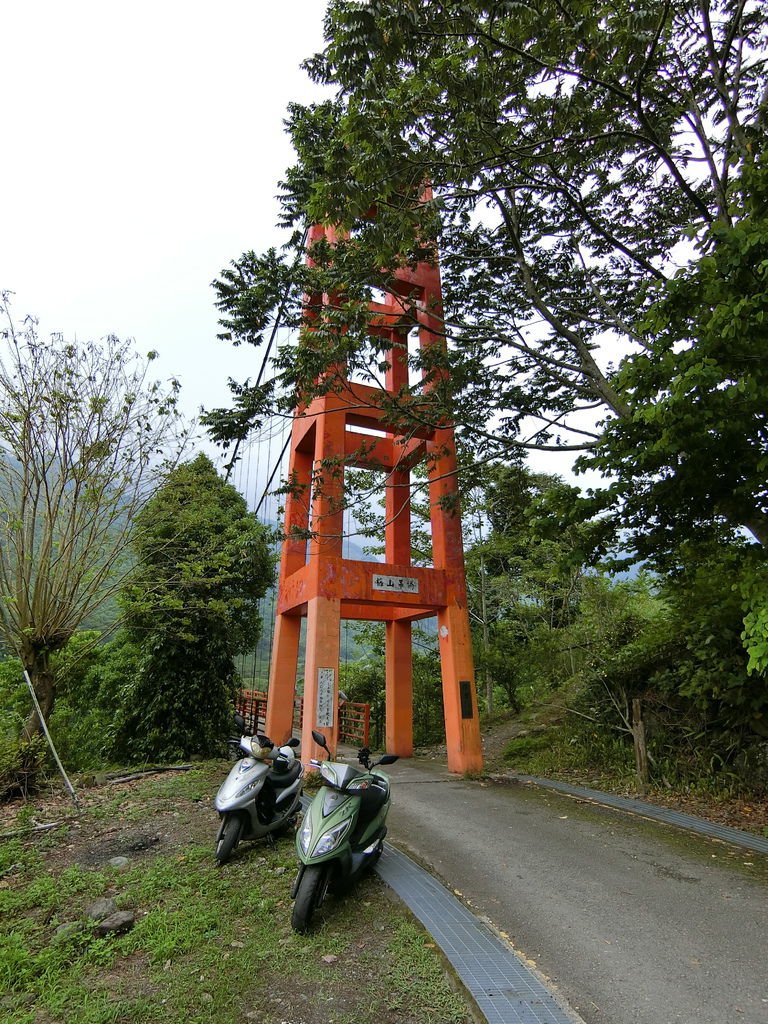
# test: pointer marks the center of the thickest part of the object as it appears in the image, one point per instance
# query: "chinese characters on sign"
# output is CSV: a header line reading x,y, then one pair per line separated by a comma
x,y
398,584
326,678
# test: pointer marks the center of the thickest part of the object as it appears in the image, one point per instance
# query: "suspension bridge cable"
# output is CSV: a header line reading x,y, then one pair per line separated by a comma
x,y
273,334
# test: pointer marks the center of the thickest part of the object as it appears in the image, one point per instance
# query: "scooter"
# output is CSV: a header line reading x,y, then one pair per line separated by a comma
x,y
261,794
343,830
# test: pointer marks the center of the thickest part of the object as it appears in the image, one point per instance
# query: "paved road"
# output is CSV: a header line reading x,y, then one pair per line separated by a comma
x,y
634,922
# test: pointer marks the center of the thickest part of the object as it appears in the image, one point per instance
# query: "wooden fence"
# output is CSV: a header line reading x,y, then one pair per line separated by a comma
x,y
354,718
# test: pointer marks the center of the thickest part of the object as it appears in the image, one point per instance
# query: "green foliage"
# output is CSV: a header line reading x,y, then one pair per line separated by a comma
x,y
552,633
524,589
90,677
578,748
14,697
428,720
568,156
548,632
621,631
523,746
706,609
674,644
363,680
87,720
754,589
18,757
19,765
203,563
561,155
691,459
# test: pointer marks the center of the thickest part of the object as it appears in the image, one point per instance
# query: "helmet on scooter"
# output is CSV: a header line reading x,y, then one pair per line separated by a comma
x,y
262,746
284,759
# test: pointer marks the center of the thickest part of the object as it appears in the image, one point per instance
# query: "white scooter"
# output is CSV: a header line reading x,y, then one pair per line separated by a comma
x,y
261,794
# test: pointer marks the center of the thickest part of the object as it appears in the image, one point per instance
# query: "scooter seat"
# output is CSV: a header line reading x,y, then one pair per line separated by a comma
x,y
282,779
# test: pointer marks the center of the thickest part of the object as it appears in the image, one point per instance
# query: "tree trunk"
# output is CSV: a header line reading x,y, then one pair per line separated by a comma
x,y
641,750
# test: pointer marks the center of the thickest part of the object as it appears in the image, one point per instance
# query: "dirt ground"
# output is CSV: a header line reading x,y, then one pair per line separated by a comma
x,y
93,840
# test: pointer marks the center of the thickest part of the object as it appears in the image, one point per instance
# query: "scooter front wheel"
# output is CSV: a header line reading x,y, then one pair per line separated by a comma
x,y
309,896
229,837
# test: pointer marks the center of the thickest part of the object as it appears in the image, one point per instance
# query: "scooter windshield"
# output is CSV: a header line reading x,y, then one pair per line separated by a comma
x,y
339,775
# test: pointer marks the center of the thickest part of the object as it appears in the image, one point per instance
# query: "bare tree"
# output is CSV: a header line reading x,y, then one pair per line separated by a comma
x,y
84,435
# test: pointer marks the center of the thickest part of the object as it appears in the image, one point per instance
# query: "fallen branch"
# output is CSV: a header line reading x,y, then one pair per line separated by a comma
x,y
35,828
149,771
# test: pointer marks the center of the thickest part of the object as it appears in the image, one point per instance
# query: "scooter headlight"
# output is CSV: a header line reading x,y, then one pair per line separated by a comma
x,y
331,839
305,835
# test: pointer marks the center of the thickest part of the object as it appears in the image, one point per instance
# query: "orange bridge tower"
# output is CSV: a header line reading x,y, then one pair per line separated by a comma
x,y
347,428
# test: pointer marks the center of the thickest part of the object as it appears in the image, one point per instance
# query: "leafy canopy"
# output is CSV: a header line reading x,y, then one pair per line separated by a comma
x,y
570,149
592,176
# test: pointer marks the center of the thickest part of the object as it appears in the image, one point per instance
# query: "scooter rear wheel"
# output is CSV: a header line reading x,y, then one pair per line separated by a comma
x,y
309,895
231,831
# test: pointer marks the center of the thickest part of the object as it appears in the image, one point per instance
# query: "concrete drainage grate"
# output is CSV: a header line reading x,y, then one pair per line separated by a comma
x,y
505,990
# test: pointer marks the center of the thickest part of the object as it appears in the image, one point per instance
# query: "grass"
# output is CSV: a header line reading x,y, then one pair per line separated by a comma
x,y
561,751
689,781
209,945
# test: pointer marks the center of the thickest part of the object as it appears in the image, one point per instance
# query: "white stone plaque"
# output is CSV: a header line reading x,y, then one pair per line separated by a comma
x,y
326,679
396,584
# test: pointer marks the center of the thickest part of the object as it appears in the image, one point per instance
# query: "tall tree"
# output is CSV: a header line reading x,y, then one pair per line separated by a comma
x,y
691,458
204,561
84,434
596,194
569,145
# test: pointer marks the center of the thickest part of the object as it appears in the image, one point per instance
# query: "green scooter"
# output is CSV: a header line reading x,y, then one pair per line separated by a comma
x,y
343,830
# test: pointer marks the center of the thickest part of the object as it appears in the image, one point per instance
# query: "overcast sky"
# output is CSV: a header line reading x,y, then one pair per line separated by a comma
x,y
142,146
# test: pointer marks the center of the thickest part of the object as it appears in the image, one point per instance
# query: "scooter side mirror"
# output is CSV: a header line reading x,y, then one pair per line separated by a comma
x,y
319,739
389,759
239,722
293,742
